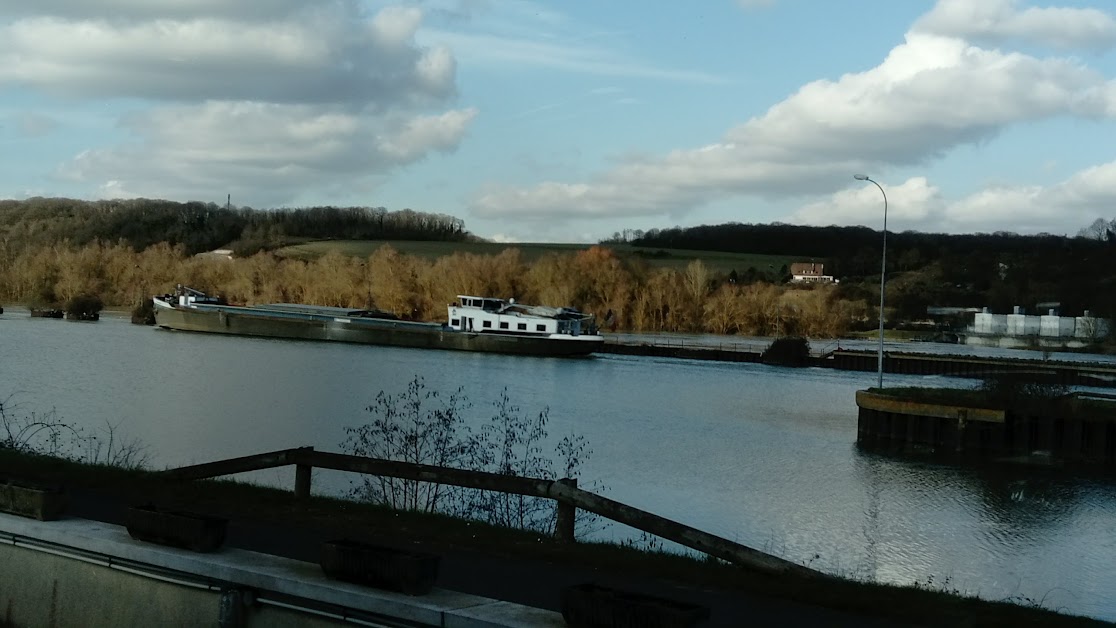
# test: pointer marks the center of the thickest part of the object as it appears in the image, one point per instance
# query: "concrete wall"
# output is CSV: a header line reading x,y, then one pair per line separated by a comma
x,y
1056,326
39,589
1021,325
1090,327
985,323
82,573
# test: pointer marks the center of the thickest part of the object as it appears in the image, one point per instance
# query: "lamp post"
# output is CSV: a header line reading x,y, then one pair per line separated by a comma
x,y
883,273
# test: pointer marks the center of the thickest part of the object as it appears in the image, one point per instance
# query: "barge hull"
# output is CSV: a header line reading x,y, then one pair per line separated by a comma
x,y
363,331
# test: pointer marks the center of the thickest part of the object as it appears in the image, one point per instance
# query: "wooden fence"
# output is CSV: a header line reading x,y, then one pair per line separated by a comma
x,y
569,498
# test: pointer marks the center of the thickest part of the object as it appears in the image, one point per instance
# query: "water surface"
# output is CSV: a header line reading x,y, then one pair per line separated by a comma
x,y
761,455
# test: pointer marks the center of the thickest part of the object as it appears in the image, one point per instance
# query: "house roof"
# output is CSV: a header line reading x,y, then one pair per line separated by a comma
x,y
807,268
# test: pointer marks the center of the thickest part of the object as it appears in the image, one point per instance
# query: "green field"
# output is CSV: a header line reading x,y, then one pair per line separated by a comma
x,y
661,258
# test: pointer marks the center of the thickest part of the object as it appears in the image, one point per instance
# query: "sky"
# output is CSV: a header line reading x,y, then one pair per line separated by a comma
x,y
570,121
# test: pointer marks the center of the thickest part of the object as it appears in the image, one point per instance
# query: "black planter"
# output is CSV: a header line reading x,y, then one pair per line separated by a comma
x,y
592,606
407,572
195,532
37,502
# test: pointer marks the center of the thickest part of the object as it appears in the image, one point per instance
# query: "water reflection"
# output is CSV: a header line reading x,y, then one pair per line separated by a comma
x,y
998,531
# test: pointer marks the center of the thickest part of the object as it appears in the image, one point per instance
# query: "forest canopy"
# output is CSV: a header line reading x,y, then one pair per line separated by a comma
x,y
199,227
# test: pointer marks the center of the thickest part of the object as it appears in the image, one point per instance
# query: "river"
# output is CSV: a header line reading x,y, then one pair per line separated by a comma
x,y
760,455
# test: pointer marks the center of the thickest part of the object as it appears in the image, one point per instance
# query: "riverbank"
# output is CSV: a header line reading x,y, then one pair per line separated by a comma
x,y
103,491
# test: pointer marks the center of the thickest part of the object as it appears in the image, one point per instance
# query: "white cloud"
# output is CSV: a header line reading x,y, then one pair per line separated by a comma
x,y
931,94
1028,208
264,99
115,189
311,55
917,205
580,57
123,10
517,34
267,152
909,206
999,21
396,26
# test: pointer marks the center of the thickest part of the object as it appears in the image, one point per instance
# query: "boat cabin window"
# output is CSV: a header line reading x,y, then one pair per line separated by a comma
x,y
503,324
540,327
522,326
486,324
455,321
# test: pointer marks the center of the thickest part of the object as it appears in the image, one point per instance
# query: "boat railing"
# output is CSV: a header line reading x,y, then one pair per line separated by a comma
x,y
568,497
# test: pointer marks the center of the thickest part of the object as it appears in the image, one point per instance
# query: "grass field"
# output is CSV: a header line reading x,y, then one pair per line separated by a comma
x,y
531,251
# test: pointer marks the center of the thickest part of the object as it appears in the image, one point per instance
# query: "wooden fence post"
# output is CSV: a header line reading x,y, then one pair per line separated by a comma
x,y
302,478
567,515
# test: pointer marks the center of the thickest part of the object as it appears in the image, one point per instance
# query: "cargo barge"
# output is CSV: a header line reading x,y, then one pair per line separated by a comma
x,y
474,324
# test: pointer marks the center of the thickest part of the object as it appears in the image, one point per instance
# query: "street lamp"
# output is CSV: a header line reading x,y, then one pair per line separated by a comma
x,y
883,272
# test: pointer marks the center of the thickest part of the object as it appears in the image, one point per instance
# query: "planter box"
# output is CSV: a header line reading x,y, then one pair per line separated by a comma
x,y
195,532
407,572
36,502
592,606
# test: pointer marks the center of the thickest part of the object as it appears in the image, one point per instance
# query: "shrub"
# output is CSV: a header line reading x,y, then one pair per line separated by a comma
x,y
420,426
48,435
144,313
84,307
788,351
1022,390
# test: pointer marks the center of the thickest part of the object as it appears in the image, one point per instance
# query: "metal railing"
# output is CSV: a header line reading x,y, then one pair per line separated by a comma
x,y
569,498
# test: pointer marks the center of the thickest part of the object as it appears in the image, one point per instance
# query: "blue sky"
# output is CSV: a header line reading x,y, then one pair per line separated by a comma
x,y
568,121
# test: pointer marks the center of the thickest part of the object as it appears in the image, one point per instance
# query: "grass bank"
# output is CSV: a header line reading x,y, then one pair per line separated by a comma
x,y
927,605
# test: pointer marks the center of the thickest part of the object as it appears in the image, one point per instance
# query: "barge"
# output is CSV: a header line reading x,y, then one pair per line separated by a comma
x,y
474,324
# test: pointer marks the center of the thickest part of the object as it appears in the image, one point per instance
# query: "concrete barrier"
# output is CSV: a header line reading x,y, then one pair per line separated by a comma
x,y
75,572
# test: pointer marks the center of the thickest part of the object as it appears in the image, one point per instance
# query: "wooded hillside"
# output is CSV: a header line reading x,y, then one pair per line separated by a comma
x,y
198,227
997,270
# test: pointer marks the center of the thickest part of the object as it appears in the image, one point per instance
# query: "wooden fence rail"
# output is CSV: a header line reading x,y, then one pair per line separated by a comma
x,y
564,491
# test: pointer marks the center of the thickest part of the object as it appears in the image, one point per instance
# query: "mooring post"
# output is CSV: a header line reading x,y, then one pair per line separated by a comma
x,y
567,514
302,478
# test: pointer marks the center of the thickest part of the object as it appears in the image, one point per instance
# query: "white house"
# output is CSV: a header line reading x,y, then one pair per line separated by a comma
x,y
810,272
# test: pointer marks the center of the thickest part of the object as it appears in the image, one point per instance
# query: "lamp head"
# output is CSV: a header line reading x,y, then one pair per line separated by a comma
x,y
860,177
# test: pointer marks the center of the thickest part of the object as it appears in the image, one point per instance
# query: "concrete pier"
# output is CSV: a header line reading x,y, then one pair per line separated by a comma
x,y
1064,436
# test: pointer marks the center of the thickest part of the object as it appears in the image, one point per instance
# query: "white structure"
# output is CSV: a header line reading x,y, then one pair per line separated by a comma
x,y
1050,327
1054,326
810,272
1089,327
1020,324
990,324
487,315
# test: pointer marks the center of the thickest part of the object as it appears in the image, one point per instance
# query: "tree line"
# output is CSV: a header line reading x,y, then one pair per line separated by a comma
x,y
625,294
197,226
